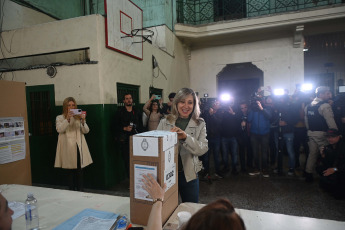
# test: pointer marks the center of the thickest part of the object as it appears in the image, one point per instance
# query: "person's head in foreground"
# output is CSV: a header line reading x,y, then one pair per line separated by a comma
x,y
5,214
219,215
216,215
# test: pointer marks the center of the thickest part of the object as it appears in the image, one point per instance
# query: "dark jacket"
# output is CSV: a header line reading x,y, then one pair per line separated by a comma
x,y
124,119
229,124
335,158
213,124
289,114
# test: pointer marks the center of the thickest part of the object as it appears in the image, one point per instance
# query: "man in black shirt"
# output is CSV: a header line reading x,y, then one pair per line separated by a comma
x,y
129,123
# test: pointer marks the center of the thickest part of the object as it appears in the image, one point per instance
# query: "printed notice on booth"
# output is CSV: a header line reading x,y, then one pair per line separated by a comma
x,y
12,139
139,171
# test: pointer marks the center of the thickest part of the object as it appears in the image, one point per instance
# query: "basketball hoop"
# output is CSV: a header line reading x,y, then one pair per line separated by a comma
x,y
146,34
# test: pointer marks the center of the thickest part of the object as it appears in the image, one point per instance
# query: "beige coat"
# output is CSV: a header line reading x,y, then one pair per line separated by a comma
x,y
194,146
71,134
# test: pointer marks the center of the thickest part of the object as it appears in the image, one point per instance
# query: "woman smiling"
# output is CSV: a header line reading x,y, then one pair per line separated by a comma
x,y
191,132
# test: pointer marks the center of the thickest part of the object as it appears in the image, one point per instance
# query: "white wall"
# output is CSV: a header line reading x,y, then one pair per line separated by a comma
x,y
16,16
94,83
282,65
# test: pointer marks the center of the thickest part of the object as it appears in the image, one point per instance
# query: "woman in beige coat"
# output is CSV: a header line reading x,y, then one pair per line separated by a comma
x,y
72,152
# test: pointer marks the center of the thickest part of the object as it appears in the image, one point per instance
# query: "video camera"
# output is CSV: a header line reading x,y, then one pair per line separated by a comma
x,y
257,96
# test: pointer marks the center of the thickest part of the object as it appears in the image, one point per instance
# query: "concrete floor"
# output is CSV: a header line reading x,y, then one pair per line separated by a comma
x,y
276,194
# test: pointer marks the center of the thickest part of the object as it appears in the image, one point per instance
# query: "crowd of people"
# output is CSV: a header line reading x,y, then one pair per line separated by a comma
x,y
256,134
260,132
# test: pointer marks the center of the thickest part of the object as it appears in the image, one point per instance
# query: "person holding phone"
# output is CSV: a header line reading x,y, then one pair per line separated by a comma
x,y
191,133
72,152
153,112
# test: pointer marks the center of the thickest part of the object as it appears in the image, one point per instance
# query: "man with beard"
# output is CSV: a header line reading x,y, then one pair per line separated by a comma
x,y
129,123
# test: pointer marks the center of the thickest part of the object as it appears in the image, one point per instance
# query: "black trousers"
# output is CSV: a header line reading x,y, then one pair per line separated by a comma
x,y
75,176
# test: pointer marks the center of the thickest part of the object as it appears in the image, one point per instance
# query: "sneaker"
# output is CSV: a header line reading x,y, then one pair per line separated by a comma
x,y
291,172
265,173
254,173
217,176
206,176
275,171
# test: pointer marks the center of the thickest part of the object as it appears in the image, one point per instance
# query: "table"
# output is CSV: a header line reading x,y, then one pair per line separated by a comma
x,y
57,206
255,220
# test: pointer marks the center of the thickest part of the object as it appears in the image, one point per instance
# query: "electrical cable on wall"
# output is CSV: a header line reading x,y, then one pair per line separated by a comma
x,y
3,42
160,48
154,66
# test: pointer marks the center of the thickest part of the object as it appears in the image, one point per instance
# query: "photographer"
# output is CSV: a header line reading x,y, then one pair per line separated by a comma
x,y
129,123
167,107
213,121
339,112
287,118
243,139
259,119
229,134
72,152
332,167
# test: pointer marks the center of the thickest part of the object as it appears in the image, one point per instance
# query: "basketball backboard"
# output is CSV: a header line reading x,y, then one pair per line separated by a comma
x,y
122,17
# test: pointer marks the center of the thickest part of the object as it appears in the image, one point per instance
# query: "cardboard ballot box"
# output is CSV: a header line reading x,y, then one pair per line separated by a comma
x,y
153,152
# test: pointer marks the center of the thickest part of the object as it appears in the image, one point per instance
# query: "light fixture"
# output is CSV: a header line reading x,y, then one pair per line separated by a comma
x,y
278,92
306,87
225,97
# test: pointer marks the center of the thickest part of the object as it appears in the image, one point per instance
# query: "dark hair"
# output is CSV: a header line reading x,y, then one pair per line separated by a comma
x,y
155,101
125,94
219,215
172,95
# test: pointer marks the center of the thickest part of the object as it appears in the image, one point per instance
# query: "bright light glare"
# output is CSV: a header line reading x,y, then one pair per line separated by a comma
x,y
278,92
225,97
306,87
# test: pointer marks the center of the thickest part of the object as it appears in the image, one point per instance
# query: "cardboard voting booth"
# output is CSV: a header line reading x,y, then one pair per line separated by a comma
x,y
153,152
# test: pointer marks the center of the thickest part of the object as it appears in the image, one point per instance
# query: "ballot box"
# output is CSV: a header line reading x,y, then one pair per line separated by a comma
x,y
153,152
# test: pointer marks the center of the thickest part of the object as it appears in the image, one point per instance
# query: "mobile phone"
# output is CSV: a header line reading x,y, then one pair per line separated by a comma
x,y
158,97
76,111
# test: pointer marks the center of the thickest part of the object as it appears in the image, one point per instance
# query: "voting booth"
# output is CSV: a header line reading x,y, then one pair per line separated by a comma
x,y
153,152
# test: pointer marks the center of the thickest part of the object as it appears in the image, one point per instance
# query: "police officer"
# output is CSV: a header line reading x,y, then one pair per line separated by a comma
x,y
318,119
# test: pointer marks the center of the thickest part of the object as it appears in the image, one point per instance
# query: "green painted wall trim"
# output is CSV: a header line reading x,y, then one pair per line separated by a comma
x,y
107,169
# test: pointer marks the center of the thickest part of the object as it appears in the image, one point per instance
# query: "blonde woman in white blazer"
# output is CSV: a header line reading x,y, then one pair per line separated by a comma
x,y
72,152
191,132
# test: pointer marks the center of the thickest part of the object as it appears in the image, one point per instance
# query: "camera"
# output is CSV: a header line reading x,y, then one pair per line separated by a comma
x,y
254,98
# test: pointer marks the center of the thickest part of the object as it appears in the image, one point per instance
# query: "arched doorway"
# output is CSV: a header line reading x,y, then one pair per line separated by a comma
x,y
240,80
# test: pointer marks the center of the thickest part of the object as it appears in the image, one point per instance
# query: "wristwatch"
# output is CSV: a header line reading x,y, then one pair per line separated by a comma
x,y
335,169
